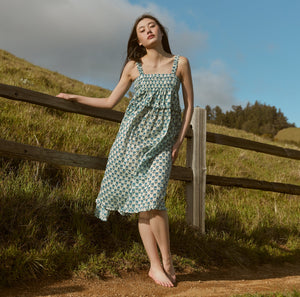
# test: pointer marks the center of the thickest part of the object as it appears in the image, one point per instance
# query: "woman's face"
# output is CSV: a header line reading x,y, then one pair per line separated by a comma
x,y
148,33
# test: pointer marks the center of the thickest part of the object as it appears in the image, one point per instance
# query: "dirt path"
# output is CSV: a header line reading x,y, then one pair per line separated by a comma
x,y
213,283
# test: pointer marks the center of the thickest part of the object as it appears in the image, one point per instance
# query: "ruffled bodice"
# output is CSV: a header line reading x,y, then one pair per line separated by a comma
x,y
157,90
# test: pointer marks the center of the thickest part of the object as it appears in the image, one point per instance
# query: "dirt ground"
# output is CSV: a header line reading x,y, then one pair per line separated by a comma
x,y
212,283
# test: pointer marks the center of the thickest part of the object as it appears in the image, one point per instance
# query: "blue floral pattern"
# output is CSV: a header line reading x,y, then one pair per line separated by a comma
x,y
140,160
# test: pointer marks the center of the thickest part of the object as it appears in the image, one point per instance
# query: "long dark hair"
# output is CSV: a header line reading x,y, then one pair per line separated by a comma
x,y
134,51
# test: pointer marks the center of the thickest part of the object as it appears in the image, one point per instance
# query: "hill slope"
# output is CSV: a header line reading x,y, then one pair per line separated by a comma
x,y
47,222
290,135
18,72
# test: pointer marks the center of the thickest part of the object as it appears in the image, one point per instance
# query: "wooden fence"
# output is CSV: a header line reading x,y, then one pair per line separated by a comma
x,y
194,174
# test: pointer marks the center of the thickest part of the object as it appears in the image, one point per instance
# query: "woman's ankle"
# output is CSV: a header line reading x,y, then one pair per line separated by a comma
x,y
167,260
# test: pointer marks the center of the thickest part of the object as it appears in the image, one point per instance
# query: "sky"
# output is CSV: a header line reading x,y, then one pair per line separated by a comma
x,y
240,51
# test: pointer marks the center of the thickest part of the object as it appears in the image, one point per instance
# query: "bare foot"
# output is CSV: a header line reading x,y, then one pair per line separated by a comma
x,y
160,277
169,269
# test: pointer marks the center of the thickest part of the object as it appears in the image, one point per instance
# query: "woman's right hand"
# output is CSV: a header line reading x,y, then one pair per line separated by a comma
x,y
65,96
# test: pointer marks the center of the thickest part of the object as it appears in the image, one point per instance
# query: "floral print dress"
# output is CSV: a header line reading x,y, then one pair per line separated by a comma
x,y
140,160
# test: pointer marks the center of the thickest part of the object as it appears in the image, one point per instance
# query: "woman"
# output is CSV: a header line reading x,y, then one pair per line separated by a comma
x,y
148,140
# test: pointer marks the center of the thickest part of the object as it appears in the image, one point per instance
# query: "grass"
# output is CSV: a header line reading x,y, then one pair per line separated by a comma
x,y
48,228
291,135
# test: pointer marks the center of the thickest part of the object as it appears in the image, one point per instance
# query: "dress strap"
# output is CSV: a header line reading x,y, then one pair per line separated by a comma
x,y
139,67
175,64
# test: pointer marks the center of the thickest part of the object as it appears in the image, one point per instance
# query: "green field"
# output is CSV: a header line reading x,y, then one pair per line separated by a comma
x,y
47,224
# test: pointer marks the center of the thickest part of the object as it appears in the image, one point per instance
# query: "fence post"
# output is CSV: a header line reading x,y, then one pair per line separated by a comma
x,y
196,159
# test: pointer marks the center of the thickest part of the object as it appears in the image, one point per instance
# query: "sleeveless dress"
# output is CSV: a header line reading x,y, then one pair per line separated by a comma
x,y
140,159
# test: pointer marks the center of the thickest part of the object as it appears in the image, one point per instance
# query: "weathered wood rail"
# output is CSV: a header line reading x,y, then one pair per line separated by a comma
x,y
194,173
34,153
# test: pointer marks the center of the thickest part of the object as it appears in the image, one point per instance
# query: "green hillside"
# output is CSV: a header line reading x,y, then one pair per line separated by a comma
x,y
289,135
47,224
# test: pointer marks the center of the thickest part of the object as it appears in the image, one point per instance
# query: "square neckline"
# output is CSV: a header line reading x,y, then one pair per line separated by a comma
x,y
173,70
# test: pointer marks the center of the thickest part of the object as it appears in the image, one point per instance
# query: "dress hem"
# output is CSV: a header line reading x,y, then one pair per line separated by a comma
x,y
104,217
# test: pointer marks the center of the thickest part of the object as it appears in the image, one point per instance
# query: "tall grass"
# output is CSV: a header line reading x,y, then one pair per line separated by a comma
x,y
48,226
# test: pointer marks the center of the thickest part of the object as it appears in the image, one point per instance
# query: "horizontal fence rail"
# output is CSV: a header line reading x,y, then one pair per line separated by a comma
x,y
252,184
252,145
17,150
34,97
29,152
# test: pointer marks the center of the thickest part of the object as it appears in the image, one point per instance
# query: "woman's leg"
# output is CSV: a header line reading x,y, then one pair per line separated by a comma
x,y
156,271
160,227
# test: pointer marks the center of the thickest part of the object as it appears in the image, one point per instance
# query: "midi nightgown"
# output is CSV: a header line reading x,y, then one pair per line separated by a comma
x,y
140,159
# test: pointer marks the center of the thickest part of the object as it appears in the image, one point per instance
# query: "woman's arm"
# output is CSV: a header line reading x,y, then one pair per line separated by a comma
x,y
188,98
116,95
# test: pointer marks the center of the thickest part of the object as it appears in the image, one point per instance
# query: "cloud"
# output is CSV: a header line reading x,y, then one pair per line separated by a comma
x,y
214,86
85,40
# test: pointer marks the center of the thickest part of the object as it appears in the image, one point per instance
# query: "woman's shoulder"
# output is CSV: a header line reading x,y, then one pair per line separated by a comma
x,y
130,70
183,68
183,60
183,63
130,64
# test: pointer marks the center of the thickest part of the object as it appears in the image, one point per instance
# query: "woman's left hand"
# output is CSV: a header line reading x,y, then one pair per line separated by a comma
x,y
175,151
